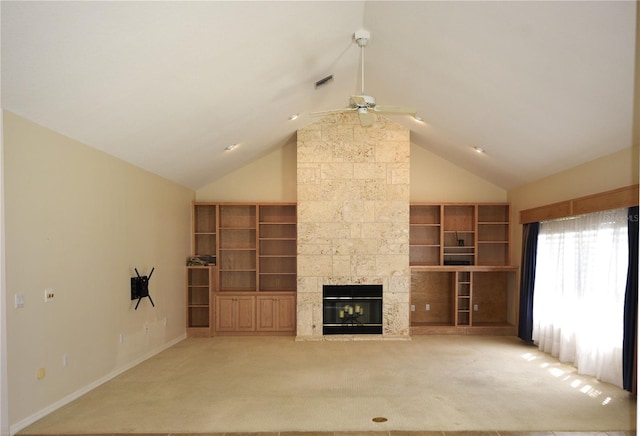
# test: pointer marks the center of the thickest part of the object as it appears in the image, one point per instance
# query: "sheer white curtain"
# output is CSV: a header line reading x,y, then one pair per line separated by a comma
x,y
578,299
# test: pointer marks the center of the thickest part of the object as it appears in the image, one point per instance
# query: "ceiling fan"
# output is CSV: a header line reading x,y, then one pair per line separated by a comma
x,y
365,104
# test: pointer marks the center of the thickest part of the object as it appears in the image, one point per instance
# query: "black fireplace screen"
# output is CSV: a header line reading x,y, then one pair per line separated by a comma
x,y
352,309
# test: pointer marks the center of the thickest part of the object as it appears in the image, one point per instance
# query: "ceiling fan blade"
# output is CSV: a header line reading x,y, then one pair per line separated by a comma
x,y
395,110
333,111
366,118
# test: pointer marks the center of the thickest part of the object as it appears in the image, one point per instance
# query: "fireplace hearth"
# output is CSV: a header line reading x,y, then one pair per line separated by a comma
x,y
351,309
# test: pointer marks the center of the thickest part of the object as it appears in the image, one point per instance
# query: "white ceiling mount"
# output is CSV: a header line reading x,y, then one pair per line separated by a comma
x,y
361,37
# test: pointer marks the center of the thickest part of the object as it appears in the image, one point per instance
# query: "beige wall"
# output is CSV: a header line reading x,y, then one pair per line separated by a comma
x,y
269,179
434,179
273,178
78,221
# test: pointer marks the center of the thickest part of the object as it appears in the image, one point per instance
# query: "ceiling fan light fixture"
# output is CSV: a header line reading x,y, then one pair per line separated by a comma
x,y
479,150
230,147
418,118
294,117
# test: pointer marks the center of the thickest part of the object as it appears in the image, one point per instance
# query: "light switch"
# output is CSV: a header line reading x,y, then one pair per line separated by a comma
x,y
19,301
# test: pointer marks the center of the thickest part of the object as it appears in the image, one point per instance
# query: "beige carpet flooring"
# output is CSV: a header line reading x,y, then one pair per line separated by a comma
x,y
275,384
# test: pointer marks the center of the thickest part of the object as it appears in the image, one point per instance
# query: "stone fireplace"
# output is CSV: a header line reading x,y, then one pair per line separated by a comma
x,y
353,218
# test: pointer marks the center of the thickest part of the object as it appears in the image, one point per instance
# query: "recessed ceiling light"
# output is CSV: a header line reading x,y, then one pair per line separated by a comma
x,y
294,117
479,149
418,118
230,147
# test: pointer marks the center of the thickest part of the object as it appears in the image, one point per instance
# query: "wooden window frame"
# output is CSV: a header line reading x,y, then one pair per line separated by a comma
x,y
614,199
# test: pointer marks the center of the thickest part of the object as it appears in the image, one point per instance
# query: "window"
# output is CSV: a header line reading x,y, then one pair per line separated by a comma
x,y
578,304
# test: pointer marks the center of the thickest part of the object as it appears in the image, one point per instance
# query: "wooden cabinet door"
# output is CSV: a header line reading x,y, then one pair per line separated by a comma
x,y
225,309
276,314
266,314
235,313
245,314
286,314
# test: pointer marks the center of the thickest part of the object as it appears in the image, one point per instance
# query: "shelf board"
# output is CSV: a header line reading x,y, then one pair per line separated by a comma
x,y
237,228
277,223
277,274
278,255
470,268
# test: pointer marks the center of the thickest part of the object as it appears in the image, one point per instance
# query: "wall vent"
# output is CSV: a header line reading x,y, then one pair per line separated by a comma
x,y
324,81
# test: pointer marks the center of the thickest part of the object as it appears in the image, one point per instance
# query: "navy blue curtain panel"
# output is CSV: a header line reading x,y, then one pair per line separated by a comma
x,y
629,351
527,280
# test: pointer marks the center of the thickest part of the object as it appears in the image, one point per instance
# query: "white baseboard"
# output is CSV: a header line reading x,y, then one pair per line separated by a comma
x,y
15,428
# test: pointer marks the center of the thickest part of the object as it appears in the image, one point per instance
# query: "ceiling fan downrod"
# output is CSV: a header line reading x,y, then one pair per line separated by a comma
x,y
362,39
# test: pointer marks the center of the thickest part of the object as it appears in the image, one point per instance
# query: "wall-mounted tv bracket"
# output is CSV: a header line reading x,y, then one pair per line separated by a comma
x,y
140,287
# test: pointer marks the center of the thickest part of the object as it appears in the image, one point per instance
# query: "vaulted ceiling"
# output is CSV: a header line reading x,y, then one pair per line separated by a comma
x,y
541,86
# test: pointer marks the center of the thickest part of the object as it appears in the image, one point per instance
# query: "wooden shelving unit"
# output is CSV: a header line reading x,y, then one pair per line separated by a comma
x,y
277,240
463,298
199,284
252,287
459,235
438,290
204,235
493,234
461,278
425,234
237,256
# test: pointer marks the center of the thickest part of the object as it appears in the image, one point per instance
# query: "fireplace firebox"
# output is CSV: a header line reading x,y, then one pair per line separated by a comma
x,y
351,309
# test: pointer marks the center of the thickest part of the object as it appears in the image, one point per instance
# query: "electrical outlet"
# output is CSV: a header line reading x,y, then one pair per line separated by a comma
x,y
413,307
475,307
65,360
49,295
121,338
41,373
427,307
